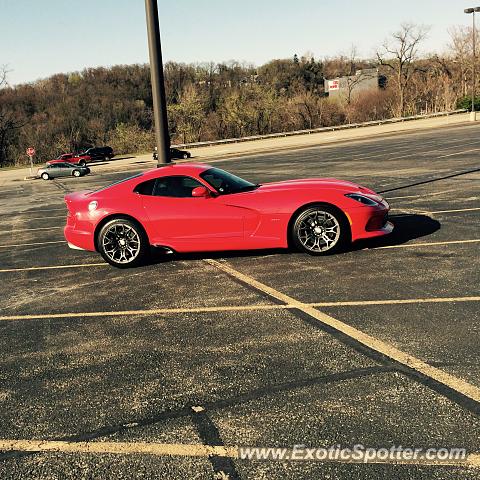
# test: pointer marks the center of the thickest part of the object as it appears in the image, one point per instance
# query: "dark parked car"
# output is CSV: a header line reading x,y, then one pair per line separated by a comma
x,y
100,153
174,153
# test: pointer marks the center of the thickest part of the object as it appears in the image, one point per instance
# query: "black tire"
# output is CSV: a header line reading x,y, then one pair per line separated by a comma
x,y
185,156
77,173
106,158
45,176
127,230
315,226
82,163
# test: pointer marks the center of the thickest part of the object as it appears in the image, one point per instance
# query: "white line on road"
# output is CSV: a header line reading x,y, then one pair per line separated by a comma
x,y
452,382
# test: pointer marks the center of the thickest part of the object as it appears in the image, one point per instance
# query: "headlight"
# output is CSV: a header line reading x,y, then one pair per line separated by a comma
x,y
362,199
92,206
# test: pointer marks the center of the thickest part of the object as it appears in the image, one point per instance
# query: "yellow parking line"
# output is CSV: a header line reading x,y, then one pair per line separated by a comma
x,y
405,301
455,211
31,244
471,460
31,229
45,217
236,308
153,311
424,195
53,267
426,244
119,448
459,153
454,383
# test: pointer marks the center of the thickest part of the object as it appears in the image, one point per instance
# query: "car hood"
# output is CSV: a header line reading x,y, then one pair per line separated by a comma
x,y
316,183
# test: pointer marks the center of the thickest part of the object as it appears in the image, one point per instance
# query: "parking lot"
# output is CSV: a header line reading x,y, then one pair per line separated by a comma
x,y
154,366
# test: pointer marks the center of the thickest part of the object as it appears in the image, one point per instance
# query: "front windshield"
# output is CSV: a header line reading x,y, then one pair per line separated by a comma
x,y
225,183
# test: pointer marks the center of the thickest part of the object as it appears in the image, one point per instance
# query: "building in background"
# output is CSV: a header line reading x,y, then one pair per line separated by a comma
x,y
346,88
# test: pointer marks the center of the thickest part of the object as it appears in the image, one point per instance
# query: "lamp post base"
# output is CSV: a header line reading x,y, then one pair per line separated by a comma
x,y
474,116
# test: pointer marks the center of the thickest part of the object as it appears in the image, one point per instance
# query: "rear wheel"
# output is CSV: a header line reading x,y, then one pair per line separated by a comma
x,y
123,243
320,230
45,176
106,157
76,173
82,163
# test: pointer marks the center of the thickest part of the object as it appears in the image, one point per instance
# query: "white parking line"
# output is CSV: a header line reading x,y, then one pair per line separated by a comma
x,y
426,244
236,308
454,383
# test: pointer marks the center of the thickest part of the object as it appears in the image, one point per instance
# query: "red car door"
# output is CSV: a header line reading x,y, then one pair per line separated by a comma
x,y
188,223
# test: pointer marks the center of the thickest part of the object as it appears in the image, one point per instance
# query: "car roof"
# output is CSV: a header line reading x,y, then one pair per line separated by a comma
x,y
177,169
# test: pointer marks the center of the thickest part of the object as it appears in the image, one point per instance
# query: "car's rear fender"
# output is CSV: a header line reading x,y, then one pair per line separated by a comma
x,y
114,216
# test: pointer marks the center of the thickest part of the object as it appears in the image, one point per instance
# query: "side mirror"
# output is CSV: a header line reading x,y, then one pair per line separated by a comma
x,y
200,192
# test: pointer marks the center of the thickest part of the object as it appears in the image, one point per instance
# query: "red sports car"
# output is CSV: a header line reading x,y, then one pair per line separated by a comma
x,y
196,207
76,159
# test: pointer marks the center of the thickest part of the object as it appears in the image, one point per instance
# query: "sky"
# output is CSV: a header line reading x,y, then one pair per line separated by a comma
x,y
41,37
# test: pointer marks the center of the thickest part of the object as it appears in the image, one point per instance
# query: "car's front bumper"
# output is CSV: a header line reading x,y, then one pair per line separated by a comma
x,y
370,222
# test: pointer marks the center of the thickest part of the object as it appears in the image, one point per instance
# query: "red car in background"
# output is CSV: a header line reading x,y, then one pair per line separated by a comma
x,y
196,207
76,159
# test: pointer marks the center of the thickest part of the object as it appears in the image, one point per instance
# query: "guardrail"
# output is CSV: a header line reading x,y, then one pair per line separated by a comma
x,y
317,130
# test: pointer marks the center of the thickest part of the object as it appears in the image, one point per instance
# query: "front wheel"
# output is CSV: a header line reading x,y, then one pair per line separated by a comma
x,y
82,163
320,230
76,173
123,243
45,176
185,156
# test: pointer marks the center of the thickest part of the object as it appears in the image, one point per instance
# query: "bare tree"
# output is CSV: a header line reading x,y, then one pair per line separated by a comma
x,y
10,121
461,49
399,54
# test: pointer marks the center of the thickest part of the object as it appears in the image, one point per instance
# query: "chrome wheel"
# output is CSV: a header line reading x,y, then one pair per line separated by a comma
x,y
317,230
121,243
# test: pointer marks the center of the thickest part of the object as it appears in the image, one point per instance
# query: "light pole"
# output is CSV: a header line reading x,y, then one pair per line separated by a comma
x,y
158,86
473,114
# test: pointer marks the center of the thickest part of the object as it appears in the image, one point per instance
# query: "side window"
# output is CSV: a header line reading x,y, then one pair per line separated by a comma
x,y
175,186
145,188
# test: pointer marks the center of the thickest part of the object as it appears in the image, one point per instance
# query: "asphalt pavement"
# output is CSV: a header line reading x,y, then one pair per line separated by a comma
x,y
164,370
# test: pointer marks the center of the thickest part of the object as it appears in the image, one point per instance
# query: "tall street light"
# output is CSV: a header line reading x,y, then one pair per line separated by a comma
x,y
473,114
158,86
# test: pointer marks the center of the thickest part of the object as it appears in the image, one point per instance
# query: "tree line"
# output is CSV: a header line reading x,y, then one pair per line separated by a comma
x,y
113,106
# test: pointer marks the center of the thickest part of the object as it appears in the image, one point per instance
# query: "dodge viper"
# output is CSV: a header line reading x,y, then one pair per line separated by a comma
x,y
196,207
